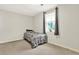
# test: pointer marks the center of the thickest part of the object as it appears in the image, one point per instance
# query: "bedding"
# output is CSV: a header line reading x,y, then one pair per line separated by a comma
x,y
35,38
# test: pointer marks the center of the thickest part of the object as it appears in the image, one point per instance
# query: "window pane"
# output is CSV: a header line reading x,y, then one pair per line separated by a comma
x,y
50,22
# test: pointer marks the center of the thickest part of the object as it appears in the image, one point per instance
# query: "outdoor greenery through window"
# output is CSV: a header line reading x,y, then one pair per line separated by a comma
x,y
50,21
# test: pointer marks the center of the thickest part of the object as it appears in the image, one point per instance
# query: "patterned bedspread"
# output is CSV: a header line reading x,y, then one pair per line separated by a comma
x,y
35,38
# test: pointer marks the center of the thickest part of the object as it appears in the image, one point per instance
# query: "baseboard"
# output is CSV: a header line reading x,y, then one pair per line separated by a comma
x,y
72,49
9,41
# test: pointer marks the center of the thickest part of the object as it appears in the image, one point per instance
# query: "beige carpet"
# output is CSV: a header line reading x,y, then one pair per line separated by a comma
x,y
21,47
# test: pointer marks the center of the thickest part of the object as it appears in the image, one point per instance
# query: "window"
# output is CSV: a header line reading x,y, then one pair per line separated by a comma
x,y
50,21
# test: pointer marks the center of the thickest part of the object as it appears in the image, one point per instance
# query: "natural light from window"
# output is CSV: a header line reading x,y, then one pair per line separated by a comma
x,y
50,21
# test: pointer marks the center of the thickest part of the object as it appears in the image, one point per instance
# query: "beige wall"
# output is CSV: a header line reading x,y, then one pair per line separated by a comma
x,y
12,26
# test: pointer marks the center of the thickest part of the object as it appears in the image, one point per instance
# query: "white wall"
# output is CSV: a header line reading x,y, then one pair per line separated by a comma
x,y
69,29
12,26
38,22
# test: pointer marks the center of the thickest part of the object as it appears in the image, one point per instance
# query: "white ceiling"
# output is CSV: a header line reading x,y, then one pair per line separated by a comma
x,y
26,9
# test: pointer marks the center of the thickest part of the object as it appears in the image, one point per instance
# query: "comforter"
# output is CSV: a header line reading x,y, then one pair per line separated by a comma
x,y
35,38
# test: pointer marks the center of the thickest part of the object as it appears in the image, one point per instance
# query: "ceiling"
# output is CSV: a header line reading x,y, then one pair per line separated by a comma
x,y
26,9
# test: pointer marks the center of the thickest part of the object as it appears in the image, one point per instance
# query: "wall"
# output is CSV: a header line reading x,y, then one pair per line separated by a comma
x,y
68,26
38,22
12,26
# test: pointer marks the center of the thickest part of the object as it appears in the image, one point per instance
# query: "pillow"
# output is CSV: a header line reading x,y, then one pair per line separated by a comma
x,y
29,30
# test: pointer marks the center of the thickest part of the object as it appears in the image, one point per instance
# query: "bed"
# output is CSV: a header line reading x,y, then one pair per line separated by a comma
x,y
35,38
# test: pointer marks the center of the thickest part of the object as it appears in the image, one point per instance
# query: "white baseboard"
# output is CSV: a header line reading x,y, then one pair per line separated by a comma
x,y
10,40
72,49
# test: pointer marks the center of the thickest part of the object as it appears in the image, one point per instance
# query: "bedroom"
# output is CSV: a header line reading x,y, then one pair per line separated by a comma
x,y
16,18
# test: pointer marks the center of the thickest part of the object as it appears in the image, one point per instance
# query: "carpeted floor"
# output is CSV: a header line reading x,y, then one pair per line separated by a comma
x,y
21,47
